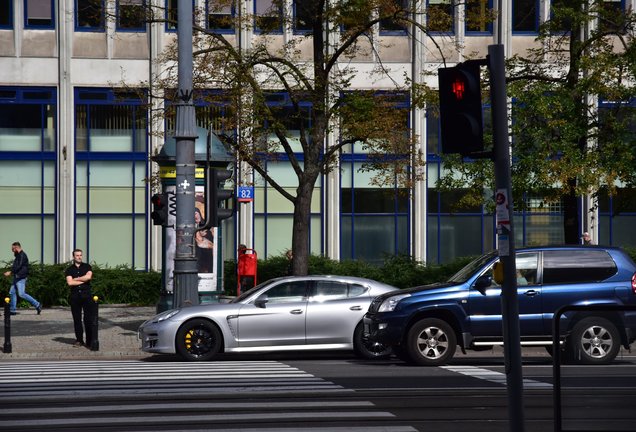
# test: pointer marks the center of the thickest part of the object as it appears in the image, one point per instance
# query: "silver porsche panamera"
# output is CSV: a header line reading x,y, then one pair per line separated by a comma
x,y
283,314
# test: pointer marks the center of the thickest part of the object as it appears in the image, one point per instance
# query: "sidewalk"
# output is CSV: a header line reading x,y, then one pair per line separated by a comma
x,y
50,335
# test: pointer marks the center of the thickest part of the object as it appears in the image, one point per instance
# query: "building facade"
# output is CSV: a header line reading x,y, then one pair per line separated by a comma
x,y
75,143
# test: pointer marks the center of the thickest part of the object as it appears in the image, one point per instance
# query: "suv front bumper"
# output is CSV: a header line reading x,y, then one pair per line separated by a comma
x,y
382,330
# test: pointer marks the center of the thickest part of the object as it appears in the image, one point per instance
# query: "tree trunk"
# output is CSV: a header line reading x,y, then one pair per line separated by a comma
x,y
571,234
300,232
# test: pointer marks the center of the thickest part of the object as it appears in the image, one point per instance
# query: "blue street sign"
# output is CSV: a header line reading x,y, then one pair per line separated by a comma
x,y
245,194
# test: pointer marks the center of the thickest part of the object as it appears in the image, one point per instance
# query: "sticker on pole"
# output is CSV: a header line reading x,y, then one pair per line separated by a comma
x,y
502,213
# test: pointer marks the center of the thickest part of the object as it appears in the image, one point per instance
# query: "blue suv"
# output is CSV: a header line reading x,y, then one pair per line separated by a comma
x,y
425,324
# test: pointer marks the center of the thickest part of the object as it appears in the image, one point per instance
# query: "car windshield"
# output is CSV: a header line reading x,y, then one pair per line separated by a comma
x,y
465,273
249,292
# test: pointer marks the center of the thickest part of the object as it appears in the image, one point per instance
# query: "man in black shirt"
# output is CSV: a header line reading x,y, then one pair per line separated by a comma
x,y
78,278
20,271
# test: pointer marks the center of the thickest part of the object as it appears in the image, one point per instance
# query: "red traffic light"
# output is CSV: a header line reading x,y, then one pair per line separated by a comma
x,y
458,88
160,205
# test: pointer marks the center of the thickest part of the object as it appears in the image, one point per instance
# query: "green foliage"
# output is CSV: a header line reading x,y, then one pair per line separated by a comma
x,y
400,271
119,285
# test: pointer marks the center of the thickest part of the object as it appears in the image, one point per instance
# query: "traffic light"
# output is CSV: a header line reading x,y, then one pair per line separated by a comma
x,y
160,206
218,196
460,109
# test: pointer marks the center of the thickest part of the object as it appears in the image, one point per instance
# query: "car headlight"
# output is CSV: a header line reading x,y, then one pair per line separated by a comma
x,y
165,315
389,304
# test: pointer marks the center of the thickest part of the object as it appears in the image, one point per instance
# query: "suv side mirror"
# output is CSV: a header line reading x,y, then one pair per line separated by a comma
x,y
261,301
482,283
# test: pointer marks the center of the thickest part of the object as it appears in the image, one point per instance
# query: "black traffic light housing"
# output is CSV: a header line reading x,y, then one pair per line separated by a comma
x,y
461,120
218,195
160,208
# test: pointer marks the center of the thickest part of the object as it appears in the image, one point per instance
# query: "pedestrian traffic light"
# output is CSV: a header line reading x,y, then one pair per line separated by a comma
x,y
460,109
160,206
218,196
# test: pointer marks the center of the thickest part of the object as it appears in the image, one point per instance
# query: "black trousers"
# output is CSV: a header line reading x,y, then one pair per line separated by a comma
x,y
82,303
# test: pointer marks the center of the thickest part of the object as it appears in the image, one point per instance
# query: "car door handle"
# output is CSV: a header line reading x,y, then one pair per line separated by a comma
x,y
532,293
296,311
355,308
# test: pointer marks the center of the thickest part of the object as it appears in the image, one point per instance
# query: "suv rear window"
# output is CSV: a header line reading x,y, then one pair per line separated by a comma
x,y
572,266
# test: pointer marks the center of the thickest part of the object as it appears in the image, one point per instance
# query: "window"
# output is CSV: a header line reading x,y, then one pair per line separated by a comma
x,y
303,15
612,16
131,15
28,170
89,15
287,292
6,14
38,14
566,266
329,290
392,12
172,15
111,168
525,18
220,14
440,16
479,16
268,16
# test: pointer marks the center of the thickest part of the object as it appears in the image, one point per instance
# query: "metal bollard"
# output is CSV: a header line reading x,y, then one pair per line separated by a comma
x,y
7,327
95,327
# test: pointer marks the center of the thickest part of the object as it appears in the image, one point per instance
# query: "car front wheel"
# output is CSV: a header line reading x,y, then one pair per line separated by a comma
x,y
431,342
365,348
594,340
198,340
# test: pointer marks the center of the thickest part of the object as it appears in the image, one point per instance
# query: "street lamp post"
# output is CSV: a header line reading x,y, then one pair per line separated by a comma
x,y
185,264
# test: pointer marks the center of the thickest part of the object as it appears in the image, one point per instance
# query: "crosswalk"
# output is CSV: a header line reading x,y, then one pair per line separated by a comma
x,y
493,376
128,395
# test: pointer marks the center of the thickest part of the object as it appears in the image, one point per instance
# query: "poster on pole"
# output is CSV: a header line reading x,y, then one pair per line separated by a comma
x,y
502,214
205,246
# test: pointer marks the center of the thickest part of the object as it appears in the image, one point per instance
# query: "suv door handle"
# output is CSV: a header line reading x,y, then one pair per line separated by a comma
x,y
296,311
532,293
355,308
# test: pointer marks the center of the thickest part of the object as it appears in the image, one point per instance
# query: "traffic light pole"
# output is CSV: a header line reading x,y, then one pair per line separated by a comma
x,y
186,279
505,237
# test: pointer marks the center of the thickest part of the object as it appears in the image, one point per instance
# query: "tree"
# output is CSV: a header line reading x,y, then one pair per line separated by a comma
x,y
563,147
319,92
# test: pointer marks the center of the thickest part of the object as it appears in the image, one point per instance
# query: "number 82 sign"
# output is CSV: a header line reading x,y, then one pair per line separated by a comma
x,y
245,194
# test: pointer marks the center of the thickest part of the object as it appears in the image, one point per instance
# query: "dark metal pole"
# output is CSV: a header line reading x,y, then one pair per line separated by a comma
x,y
95,327
505,236
7,327
185,266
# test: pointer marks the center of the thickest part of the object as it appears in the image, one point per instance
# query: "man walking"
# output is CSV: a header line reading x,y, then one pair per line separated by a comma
x,y
20,271
78,278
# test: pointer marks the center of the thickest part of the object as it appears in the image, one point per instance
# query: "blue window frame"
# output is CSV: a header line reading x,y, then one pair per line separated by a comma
x,y
111,194
268,16
6,14
28,169
220,15
440,16
478,17
390,26
525,16
131,15
612,16
39,14
89,15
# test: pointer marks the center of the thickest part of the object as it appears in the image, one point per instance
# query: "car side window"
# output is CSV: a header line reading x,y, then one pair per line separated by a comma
x,y
287,292
329,290
527,264
356,290
576,266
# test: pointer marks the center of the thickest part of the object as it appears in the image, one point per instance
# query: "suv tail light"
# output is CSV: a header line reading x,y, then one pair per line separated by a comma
x,y
634,283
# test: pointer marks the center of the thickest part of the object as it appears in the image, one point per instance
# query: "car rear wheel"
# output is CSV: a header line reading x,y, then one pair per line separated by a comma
x,y
198,340
365,348
431,342
594,340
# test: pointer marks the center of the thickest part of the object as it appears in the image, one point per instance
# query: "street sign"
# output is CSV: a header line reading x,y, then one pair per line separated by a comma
x,y
245,194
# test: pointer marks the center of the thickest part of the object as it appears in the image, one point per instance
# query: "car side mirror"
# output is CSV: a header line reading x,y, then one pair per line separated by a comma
x,y
261,301
482,283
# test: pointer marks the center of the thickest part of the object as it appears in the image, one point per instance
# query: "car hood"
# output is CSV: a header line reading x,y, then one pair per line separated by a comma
x,y
431,290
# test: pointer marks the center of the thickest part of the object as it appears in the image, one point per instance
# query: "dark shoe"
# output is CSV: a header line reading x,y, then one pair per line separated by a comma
x,y
14,313
39,309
